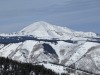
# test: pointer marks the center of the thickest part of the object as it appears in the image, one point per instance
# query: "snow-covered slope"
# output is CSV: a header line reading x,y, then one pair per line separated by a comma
x,y
28,51
1,46
46,30
64,53
80,53
56,68
63,69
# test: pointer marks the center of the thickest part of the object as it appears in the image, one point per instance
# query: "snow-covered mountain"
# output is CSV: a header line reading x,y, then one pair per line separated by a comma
x,y
83,53
46,30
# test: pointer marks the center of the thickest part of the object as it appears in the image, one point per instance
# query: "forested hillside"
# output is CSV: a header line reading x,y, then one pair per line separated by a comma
x,y
10,67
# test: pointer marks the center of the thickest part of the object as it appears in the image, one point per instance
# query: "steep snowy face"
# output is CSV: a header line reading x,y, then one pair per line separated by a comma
x,y
43,29
90,61
36,29
29,51
46,30
62,52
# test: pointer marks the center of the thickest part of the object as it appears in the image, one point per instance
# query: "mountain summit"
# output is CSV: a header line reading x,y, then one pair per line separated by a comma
x,y
46,30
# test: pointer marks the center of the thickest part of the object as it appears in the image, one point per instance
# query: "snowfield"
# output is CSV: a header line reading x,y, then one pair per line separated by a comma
x,y
56,68
66,54
81,52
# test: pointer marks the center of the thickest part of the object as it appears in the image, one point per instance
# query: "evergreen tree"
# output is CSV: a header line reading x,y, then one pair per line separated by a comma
x,y
10,67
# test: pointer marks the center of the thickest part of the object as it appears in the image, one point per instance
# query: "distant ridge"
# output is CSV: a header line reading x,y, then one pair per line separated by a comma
x,y
46,30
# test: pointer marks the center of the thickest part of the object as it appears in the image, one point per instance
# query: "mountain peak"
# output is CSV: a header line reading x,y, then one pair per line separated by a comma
x,y
41,23
45,30
36,25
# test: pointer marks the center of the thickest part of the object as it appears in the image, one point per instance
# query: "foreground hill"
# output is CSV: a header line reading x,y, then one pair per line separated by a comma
x,y
81,55
9,67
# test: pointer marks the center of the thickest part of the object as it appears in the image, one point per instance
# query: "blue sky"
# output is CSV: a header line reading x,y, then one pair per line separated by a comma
x,y
80,15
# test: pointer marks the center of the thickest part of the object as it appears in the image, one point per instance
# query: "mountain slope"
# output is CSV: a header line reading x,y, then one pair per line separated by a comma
x,y
46,30
28,51
43,42
62,52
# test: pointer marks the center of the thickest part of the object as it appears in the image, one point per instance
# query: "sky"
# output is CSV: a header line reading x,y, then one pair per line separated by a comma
x,y
80,15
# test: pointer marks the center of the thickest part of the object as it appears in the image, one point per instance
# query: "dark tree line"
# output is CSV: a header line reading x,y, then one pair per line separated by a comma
x,y
10,67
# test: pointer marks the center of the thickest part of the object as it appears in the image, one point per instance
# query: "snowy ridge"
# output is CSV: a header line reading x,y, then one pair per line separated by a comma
x,y
28,51
5,51
46,30
32,51
82,48
80,52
